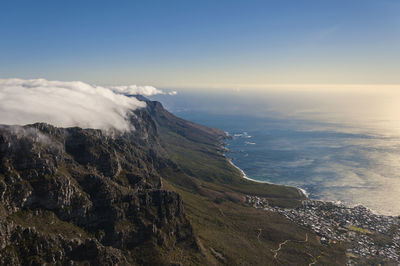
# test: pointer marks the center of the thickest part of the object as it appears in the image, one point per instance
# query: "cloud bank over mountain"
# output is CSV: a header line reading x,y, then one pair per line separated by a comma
x,y
133,90
67,104
141,90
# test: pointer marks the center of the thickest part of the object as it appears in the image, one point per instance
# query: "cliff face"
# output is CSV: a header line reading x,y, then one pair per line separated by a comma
x,y
72,195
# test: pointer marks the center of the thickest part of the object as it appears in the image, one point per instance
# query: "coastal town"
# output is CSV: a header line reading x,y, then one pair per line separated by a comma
x,y
367,236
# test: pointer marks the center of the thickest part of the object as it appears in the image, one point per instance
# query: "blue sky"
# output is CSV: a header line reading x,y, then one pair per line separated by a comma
x,y
200,44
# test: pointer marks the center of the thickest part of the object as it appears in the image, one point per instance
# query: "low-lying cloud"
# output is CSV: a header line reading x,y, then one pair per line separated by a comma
x,y
67,104
141,90
134,90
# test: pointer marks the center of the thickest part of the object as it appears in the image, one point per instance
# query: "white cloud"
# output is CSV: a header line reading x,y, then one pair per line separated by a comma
x,y
142,90
133,90
67,104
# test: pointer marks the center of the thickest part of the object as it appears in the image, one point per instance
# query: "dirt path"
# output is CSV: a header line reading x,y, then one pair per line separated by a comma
x,y
276,251
259,234
220,211
218,255
313,258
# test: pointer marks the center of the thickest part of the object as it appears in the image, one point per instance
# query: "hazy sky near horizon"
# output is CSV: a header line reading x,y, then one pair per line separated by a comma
x,y
202,44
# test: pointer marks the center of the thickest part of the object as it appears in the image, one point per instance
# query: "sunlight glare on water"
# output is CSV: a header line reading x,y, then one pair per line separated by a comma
x,y
338,146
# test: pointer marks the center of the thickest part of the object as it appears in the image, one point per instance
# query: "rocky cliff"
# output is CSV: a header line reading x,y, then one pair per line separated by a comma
x,y
77,196
162,194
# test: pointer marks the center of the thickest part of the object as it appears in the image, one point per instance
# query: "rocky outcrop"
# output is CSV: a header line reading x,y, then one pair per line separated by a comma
x,y
72,195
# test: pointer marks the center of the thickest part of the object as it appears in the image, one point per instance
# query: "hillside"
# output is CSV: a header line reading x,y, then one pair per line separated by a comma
x,y
162,194
230,232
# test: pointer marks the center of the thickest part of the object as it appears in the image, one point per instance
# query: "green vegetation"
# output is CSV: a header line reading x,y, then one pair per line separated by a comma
x,y
359,229
229,231
206,163
47,222
104,201
244,235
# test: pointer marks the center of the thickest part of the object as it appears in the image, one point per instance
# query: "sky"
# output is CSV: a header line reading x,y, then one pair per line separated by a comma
x,y
203,43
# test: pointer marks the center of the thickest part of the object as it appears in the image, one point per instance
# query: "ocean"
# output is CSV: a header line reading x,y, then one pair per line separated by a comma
x,y
331,159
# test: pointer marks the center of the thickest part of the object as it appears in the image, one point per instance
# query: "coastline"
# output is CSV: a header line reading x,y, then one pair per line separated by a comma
x,y
223,145
304,192
301,191
335,223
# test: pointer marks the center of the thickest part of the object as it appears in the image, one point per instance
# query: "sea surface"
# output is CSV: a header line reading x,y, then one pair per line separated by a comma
x,y
333,160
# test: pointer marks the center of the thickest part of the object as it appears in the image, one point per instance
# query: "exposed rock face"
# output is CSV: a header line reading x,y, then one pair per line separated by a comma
x,y
72,195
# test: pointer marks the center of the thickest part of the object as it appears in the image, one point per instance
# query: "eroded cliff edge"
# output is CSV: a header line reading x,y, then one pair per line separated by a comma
x,y
162,194
81,195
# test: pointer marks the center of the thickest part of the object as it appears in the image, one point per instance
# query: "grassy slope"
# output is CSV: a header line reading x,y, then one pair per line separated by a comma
x,y
246,236
229,231
206,163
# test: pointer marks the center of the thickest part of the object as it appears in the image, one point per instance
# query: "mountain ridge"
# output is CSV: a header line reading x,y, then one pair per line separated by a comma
x,y
156,195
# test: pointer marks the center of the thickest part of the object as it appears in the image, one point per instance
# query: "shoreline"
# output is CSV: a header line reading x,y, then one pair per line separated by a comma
x,y
305,193
223,145
301,190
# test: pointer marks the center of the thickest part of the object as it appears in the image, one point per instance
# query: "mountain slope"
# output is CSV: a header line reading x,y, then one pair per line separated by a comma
x,y
213,191
100,197
162,194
